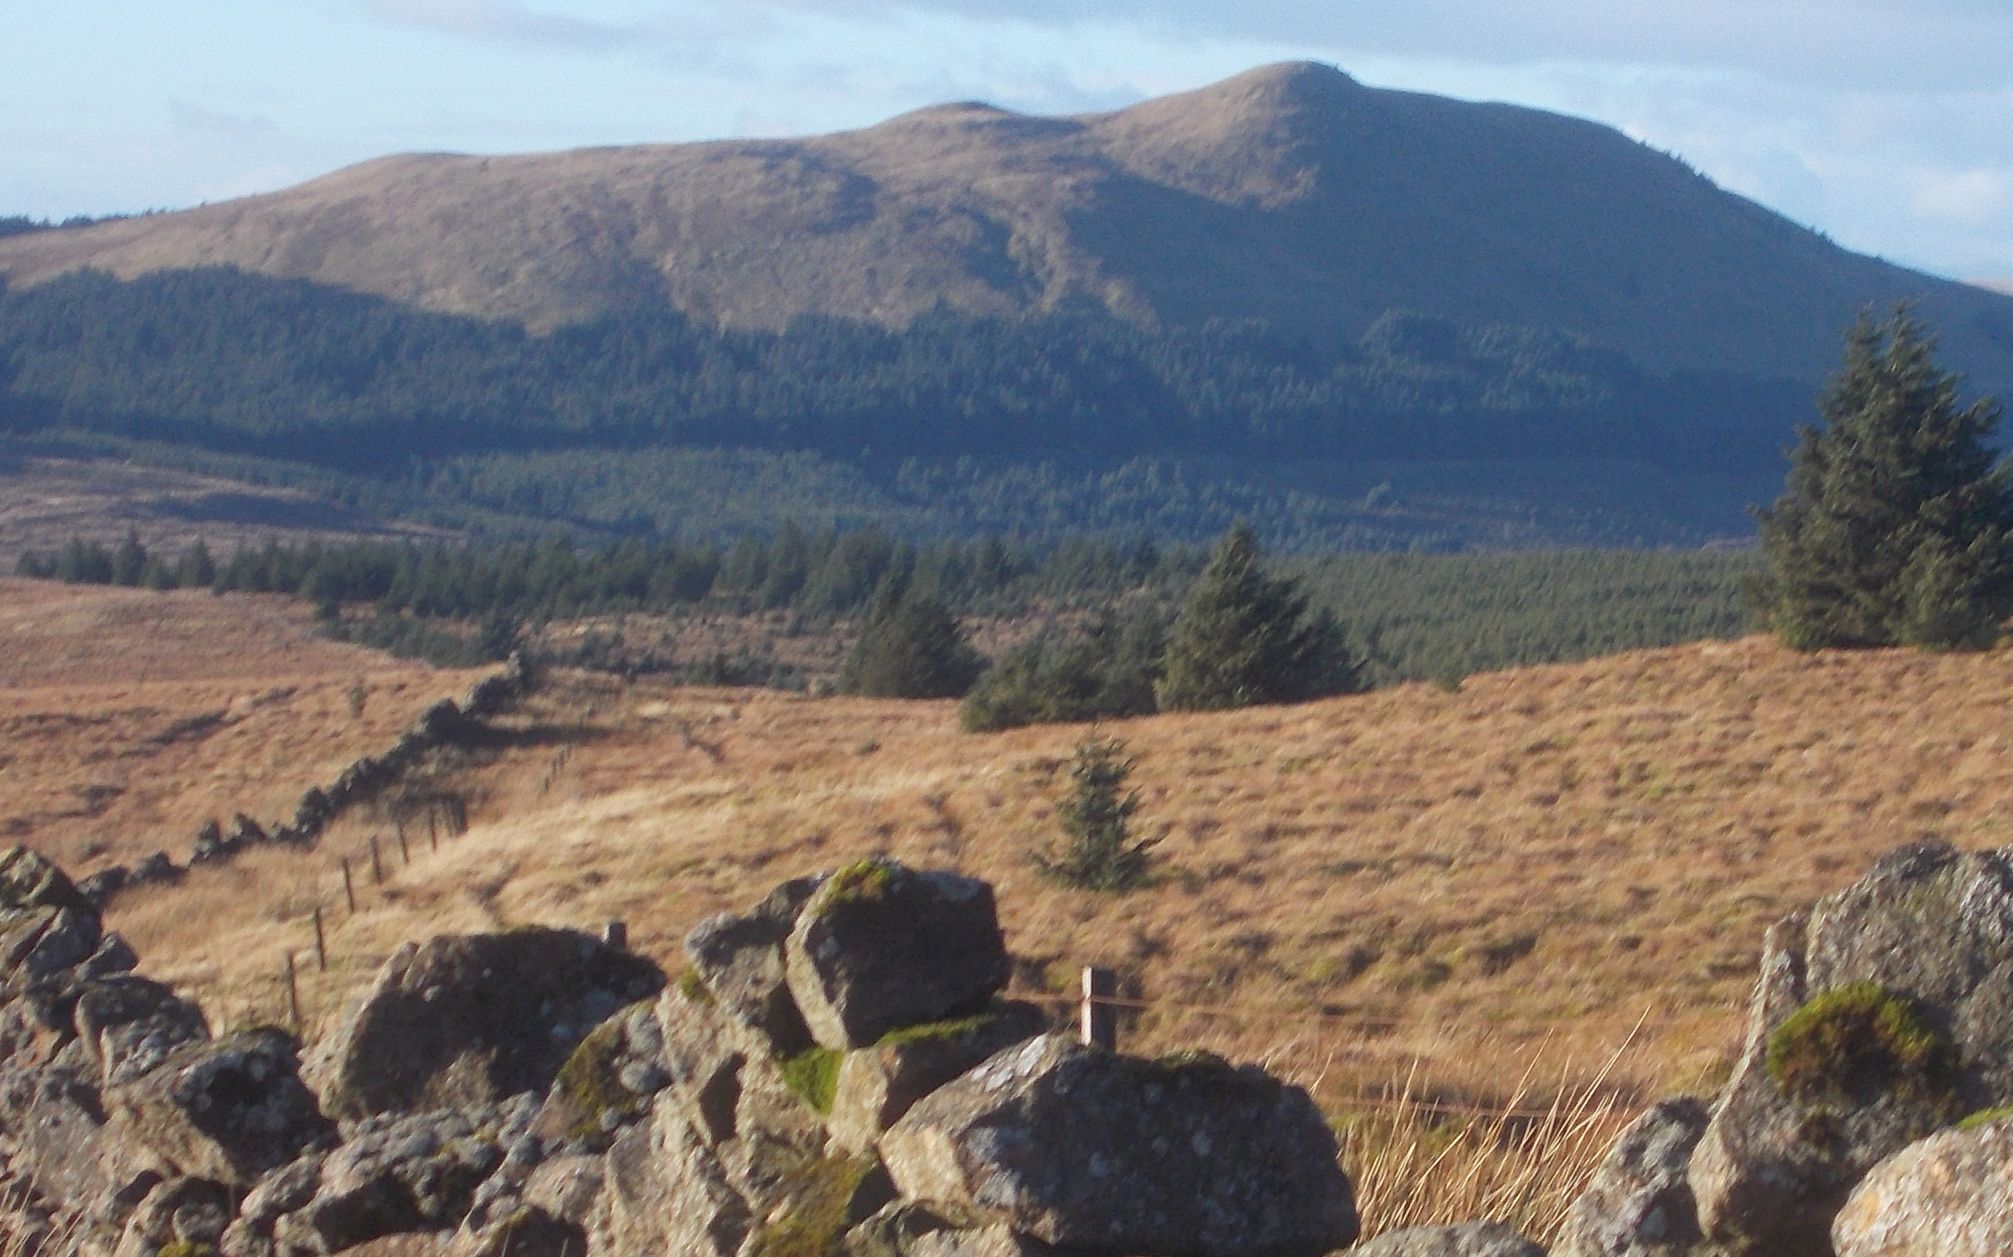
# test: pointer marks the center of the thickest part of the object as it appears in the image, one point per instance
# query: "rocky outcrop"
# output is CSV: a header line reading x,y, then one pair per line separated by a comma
x,y
390,1175
1881,1017
521,1095
1639,1203
115,1102
739,958
1081,1148
1950,1195
472,1019
880,946
878,1085
1472,1239
229,1109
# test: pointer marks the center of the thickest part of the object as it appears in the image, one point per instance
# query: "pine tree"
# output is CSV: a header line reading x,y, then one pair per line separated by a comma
x,y
1098,852
910,646
1245,637
1896,523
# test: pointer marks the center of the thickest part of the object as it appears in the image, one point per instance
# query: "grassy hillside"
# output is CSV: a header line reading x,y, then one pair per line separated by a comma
x,y
1290,194
1551,882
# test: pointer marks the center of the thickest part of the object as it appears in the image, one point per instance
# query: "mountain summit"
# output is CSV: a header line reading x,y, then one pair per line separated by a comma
x,y
1290,193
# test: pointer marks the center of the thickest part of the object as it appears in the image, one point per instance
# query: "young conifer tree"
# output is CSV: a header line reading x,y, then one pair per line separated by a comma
x,y
910,646
1896,523
1246,637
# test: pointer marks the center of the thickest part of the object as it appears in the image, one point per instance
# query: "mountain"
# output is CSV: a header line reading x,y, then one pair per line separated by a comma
x,y
1291,194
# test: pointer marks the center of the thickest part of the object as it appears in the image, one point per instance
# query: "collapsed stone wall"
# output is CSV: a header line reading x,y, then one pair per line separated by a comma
x,y
837,1074
443,724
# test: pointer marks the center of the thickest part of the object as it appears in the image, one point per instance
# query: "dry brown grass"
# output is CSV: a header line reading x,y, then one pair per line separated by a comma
x,y
1415,902
128,718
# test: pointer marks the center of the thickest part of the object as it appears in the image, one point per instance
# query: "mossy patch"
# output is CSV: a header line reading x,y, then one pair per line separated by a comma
x,y
814,1075
862,881
935,1031
186,1248
1859,1041
1985,1117
821,1195
591,1081
693,987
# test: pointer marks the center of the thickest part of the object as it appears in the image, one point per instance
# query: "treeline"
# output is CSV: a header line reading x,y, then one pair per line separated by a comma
x,y
1407,617
819,576
249,365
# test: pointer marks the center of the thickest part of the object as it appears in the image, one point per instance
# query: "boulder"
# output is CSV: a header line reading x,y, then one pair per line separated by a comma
x,y
229,1109
878,1084
880,946
155,869
210,845
1081,1148
608,1081
395,1174
1950,1195
1639,1202
101,886
128,1025
30,880
1881,1015
727,1079
667,1192
184,1211
739,958
1470,1239
464,1020
42,941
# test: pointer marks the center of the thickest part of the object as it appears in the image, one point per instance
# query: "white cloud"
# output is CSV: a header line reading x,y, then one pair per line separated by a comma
x,y
1968,197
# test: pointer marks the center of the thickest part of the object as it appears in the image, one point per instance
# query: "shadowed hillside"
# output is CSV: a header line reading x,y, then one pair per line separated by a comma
x,y
1290,193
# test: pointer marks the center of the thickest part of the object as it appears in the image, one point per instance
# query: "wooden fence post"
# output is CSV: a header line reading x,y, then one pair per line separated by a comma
x,y
1098,1026
293,994
404,852
321,943
376,863
348,889
616,935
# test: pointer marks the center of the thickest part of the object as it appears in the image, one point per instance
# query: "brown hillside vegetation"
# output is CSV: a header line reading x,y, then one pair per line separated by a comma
x,y
1290,193
44,502
1549,882
128,717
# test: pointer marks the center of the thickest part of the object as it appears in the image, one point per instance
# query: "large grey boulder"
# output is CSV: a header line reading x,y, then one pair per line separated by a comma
x,y
230,1110
880,946
1925,940
1950,1195
191,1212
1470,1239
1081,1148
465,1020
666,1191
878,1084
1639,1202
41,941
739,959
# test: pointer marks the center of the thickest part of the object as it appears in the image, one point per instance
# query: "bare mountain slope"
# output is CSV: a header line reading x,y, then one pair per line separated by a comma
x,y
1290,193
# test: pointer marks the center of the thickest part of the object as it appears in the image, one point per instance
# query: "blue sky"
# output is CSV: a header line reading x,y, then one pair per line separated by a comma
x,y
1887,123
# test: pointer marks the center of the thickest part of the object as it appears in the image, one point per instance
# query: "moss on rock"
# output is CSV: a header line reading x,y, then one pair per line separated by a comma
x,y
822,1194
1860,1040
814,1075
591,1081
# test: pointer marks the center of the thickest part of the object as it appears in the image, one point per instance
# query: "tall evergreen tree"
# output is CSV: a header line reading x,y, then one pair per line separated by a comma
x,y
1896,523
910,646
1245,637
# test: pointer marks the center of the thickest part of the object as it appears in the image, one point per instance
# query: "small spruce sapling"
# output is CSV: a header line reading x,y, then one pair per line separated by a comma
x,y
1098,851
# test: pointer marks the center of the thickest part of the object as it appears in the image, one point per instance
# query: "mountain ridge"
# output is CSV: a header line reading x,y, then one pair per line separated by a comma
x,y
1291,193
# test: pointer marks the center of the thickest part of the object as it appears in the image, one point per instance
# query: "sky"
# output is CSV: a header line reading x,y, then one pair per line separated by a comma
x,y
1887,124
